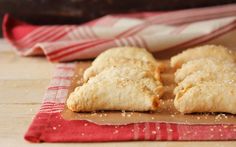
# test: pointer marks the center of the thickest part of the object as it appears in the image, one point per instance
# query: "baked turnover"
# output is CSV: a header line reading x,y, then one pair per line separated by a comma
x,y
119,79
206,80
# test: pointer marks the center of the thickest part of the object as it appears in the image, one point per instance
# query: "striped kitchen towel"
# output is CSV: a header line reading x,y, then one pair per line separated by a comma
x,y
49,125
155,31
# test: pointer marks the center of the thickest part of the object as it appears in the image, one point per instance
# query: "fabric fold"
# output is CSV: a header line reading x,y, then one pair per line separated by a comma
x,y
156,31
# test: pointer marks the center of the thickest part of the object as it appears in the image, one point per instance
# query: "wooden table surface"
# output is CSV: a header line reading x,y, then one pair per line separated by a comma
x,y
22,85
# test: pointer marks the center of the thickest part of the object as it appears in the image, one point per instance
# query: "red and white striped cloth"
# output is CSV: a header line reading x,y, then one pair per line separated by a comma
x,y
155,31
49,126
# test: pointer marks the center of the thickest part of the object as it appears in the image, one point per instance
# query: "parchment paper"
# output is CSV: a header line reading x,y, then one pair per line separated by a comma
x,y
166,112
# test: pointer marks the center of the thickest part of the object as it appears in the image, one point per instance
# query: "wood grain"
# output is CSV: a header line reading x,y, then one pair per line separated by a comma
x,y
22,87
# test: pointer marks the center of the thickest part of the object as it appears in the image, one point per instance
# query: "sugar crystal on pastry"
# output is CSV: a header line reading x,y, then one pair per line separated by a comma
x,y
117,88
206,80
216,51
124,78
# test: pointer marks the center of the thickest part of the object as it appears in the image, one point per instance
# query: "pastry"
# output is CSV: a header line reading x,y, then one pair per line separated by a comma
x,y
125,52
119,79
207,97
206,81
213,65
97,68
206,76
120,56
205,51
117,88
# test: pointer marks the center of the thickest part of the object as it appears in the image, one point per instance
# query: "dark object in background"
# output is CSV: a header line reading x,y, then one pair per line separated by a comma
x,y
78,11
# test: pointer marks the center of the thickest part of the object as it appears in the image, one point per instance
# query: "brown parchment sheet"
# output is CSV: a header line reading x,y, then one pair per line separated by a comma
x,y
166,112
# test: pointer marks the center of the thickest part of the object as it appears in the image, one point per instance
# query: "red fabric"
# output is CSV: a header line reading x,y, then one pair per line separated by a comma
x,y
49,126
16,29
53,128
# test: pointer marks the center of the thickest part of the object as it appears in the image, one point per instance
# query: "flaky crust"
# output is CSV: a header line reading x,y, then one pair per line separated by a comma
x,y
206,80
124,78
125,52
205,51
207,97
205,76
117,88
212,65
120,56
116,62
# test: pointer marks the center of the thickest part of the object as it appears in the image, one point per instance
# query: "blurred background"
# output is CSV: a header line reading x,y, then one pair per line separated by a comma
x,y
79,11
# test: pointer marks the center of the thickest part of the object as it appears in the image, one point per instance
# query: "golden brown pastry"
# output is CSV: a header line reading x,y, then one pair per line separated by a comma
x,y
117,88
206,80
207,97
213,65
125,52
97,68
206,76
205,51
119,79
120,56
